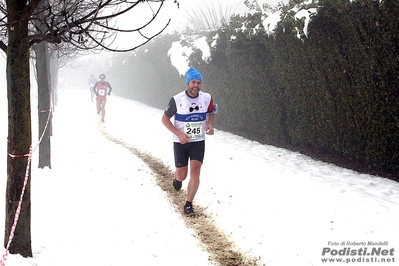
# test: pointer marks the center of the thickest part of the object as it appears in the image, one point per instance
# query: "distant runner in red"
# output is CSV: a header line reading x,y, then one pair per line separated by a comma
x,y
102,88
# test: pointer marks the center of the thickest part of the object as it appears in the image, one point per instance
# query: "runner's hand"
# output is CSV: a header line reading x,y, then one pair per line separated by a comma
x,y
209,130
183,138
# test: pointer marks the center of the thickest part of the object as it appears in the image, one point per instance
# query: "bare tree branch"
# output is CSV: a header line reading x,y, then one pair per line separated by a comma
x,y
86,25
210,16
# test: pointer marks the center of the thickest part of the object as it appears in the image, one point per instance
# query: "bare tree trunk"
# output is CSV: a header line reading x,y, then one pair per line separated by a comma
x,y
54,67
19,130
44,99
44,93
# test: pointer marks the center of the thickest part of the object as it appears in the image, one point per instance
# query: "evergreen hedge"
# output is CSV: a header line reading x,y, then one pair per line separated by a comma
x,y
334,89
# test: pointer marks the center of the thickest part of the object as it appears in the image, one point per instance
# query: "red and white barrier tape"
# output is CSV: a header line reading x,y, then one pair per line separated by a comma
x,y
18,211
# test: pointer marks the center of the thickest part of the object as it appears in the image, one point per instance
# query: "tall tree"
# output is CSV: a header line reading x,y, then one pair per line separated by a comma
x,y
83,24
44,92
19,125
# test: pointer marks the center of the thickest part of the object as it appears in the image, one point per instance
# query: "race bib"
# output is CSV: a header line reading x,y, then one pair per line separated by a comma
x,y
101,92
193,130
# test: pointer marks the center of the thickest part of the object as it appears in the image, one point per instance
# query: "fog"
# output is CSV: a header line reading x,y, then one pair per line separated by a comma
x,y
91,64
78,73
179,15
2,71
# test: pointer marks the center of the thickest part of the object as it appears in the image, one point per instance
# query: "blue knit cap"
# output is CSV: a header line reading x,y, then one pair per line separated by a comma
x,y
191,74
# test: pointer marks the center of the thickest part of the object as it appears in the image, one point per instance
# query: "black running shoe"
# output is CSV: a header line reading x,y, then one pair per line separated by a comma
x,y
177,184
189,210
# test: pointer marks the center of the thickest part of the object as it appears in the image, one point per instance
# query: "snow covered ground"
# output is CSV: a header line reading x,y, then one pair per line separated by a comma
x,y
99,204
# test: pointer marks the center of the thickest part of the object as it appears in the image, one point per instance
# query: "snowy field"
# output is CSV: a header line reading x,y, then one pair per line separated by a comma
x,y
99,204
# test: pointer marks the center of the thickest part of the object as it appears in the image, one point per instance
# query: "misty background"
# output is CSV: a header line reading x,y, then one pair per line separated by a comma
x,y
312,75
182,22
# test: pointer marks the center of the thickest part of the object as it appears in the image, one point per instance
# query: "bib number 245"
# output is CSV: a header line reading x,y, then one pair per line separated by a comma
x,y
193,130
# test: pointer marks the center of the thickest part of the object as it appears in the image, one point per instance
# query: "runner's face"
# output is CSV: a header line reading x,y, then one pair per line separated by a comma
x,y
194,86
102,78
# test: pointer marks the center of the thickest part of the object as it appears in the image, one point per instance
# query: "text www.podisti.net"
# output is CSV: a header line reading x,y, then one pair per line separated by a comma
x,y
358,252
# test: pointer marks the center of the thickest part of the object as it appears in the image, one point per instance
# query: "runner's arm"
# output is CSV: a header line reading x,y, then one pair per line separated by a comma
x,y
212,107
94,88
209,123
169,112
212,110
110,88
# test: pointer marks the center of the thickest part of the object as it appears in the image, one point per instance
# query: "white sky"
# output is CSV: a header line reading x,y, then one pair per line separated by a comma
x,y
170,11
186,6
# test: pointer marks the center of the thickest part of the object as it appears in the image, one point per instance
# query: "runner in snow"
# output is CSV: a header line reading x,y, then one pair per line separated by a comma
x,y
102,88
92,81
193,112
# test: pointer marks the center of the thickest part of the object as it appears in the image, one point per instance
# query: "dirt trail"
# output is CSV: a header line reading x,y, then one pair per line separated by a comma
x,y
221,250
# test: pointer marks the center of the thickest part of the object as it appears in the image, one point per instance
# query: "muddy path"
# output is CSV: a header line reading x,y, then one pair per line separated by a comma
x,y
214,241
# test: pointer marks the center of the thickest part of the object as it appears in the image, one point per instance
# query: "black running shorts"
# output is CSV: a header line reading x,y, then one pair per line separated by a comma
x,y
192,151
